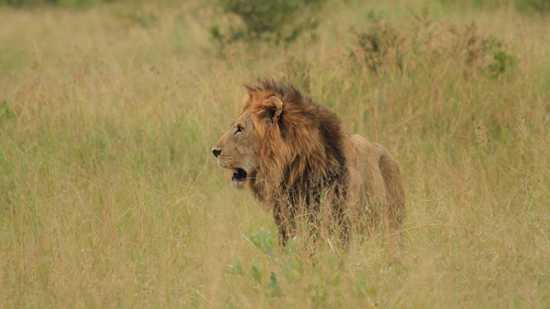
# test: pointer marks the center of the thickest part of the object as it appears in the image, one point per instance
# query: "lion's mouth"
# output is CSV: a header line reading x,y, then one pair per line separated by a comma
x,y
239,176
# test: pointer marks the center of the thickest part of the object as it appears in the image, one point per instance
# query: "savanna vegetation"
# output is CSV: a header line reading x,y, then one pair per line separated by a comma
x,y
109,196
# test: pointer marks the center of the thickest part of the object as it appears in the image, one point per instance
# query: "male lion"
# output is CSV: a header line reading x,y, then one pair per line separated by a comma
x,y
294,156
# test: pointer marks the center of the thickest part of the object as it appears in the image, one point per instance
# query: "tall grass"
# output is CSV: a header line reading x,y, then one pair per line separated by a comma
x,y
109,197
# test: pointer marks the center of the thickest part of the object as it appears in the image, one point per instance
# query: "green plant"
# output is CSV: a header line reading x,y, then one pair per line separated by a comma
x,y
263,240
143,18
502,60
6,112
67,3
484,4
256,273
427,44
527,6
537,6
380,46
273,286
276,21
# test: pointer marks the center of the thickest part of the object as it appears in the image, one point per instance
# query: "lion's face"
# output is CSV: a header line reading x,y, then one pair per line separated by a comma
x,y
238,149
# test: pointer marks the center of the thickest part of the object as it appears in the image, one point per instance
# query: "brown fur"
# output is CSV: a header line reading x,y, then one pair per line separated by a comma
x,y
297,159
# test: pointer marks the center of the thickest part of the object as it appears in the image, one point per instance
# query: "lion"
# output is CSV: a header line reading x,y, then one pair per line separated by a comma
x,y
293,154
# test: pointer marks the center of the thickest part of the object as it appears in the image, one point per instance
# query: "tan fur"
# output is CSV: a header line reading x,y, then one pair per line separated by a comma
x,y
296,159
375,182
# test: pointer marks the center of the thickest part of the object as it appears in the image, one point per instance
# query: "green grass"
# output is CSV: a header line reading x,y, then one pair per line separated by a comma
x,y
109,196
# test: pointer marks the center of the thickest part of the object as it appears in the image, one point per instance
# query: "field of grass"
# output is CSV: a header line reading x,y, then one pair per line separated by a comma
x,y
109,196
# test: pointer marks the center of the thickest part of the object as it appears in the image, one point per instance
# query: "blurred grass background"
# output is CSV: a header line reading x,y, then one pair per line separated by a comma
x,y
109,197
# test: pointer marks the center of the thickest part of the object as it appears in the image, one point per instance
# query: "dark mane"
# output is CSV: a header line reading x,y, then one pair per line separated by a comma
x,y
313,139
287,92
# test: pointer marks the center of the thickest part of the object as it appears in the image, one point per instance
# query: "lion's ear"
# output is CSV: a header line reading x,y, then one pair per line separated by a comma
x,y
249,88
273,108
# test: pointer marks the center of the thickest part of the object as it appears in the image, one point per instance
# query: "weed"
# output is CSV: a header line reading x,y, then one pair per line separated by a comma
x,y
263,240
256,274
6,113
534,6
273,286
236,267
384,48
379,48
279,22
525,6
143,18
69,3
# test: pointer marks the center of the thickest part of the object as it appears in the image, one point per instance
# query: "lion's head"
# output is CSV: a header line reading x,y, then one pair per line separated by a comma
x,y
239,148
280,140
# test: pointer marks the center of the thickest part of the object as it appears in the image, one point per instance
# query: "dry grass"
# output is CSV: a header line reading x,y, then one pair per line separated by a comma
x,y
108,196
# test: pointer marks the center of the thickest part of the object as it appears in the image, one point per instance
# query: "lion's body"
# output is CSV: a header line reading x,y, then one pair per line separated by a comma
x,y
293,154
375,187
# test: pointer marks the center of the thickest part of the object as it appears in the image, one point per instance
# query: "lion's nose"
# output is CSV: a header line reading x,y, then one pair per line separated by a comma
x,y
216,151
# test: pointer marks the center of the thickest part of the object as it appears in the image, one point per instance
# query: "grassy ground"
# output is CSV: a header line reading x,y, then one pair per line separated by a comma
x,y
109,197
